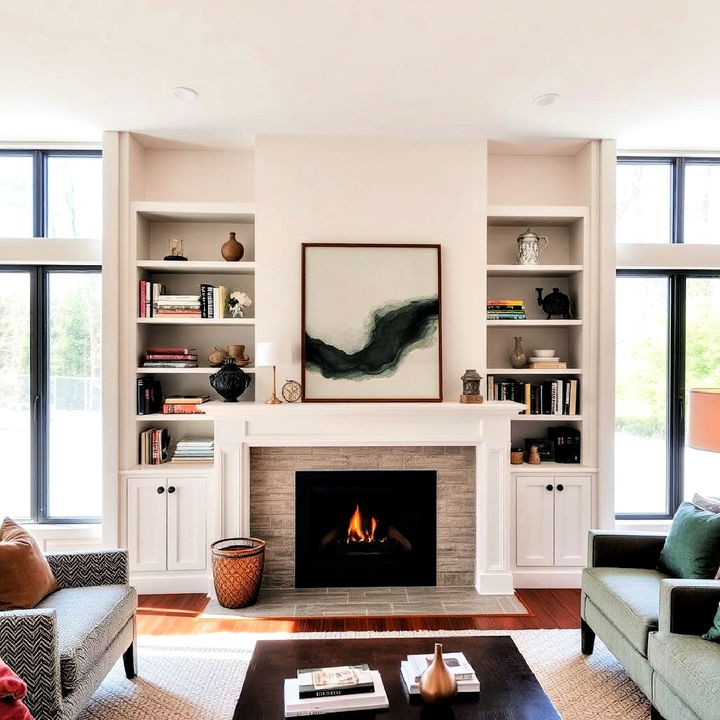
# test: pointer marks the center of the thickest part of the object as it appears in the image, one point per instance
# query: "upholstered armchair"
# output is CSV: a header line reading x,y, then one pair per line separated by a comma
x,y
64,647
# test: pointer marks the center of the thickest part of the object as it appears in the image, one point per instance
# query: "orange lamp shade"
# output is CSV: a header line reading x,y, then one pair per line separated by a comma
x,y
704,431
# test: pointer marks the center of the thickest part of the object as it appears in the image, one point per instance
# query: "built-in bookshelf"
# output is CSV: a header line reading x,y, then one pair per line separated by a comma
x,y
563,265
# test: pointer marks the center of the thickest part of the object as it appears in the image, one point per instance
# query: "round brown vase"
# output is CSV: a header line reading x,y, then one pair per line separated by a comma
x,y
437,683
232,250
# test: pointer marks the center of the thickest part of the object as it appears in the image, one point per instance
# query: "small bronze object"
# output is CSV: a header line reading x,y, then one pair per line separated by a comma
x,y
471,387
437,684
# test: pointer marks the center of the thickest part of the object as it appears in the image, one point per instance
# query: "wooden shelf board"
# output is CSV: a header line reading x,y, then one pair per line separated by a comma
x,y
210,212
533,323
209,267
184,371
538,215
196,321
533,270
532,371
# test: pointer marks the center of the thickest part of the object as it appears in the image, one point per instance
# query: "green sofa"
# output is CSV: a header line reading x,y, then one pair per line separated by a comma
x,y
652,624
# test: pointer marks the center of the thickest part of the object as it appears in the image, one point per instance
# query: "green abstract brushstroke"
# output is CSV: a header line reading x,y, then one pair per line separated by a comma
x,y
393,331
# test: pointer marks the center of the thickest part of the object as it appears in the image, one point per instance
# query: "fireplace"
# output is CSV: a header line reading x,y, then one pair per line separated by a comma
x,y
365,528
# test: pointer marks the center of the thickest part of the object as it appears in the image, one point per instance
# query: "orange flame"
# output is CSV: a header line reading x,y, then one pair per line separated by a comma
x,y
356,529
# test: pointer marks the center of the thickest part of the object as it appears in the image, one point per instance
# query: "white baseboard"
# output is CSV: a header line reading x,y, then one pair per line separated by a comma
x,y
170,584
548,578
494,584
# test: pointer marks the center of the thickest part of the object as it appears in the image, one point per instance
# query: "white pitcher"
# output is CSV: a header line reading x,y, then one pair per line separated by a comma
x,y
529,247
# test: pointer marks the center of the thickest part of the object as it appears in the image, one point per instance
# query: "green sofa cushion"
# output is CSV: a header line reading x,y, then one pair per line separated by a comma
x,y
628,597
714,632
692,547
691,667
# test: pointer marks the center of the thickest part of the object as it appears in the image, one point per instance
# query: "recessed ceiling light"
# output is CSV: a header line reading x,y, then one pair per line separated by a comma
x,y
185,93
546,99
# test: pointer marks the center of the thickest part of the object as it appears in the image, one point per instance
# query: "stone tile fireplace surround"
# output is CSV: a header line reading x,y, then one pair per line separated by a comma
x,y
272,500
258,448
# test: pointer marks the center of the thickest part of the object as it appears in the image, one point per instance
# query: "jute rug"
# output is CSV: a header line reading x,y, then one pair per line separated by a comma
x,y
198,677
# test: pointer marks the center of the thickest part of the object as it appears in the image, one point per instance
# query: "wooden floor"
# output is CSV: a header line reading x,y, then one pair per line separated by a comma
x,y
180,615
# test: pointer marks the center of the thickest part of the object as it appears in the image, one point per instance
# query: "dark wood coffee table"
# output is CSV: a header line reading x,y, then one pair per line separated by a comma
x,y
508,689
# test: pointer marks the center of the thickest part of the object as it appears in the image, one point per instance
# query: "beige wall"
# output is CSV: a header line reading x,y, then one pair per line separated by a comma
x,y
322,189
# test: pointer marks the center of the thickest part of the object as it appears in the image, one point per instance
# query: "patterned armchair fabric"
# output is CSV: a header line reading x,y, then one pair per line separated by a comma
x,y
31,642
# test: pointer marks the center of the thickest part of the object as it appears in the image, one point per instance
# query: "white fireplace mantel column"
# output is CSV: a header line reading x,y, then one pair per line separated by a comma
x,y
240,426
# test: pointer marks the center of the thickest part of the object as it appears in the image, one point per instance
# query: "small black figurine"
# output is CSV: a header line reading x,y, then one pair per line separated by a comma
x,y
556,303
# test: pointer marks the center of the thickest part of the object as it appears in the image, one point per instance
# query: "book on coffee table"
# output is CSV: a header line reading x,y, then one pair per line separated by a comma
x,y
456,663
295,706
338,680
468,685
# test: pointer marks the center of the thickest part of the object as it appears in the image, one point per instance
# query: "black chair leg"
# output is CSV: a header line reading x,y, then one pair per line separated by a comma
x,y
587,638
130,661
655,715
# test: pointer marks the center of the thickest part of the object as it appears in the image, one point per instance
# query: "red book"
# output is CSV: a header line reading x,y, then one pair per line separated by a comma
x,y
182,409
163,356
170,350
143,298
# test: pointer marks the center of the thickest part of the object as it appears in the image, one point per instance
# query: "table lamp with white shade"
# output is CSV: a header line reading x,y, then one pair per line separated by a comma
x,y
704,425
272,354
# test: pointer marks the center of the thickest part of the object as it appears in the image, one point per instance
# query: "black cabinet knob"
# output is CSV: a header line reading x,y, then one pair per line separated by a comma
x,y
171,489
548,487
560,488
160,490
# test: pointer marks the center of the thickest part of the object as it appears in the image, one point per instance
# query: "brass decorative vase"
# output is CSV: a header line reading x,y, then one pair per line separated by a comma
x,y
518,357
232,250
437,684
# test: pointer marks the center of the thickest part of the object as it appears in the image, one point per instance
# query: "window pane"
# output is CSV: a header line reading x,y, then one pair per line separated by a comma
x,y
74,355
15,394
16,196
644,197
702,370
702,203
74,204
640,395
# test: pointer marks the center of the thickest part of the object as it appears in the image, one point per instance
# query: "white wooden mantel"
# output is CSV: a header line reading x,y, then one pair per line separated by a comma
x,y
486,426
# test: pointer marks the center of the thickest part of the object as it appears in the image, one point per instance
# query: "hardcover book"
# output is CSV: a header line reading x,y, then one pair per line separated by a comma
x,y
295,706
339,680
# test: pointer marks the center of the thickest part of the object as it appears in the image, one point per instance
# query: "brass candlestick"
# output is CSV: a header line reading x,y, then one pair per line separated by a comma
x,y
273,399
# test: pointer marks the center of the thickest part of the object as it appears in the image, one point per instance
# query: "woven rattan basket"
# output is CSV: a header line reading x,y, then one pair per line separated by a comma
x,y
237,570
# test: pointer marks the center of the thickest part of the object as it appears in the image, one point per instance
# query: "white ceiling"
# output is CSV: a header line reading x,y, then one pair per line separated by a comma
x,y
646,72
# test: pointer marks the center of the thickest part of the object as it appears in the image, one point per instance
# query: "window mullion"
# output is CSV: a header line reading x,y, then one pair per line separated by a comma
x,y
678,205
676,390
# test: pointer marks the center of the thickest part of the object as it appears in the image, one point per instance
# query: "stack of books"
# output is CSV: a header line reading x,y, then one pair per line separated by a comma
x,y
149,395
213,301
317,691
147,293
415,665
171,357
506,310
194,449
548,397
184,404
153,446
180,306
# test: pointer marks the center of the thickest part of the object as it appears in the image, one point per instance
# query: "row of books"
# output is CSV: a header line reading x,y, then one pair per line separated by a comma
x,y
547,397
194,449
149,395
148,292
184,404
509,309
154,301
170,357
213,300
320,691
153,446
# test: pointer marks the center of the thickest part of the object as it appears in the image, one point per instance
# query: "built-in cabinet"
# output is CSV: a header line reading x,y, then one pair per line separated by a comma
x,y
554,515
166,529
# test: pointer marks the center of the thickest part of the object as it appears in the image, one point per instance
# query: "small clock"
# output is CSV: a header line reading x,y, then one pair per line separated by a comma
x,y
291,391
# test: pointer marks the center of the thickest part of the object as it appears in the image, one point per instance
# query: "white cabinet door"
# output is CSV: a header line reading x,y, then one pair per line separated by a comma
x,y
534,520
573,519
186,523
146,523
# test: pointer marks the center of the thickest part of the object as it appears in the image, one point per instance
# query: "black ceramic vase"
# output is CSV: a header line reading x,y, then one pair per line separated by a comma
x,y
230,381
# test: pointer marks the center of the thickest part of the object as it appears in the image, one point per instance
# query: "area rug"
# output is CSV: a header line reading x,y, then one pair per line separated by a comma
x,y
370,602
198,677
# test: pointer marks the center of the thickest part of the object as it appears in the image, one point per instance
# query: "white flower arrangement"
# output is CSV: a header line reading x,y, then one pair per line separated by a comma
x,y
237,302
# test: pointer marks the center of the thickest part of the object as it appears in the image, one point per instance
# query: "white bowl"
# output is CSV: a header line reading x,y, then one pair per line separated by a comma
x,y
544,353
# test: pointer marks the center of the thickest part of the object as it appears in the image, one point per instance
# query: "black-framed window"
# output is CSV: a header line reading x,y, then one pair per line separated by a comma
x,y
667,333
50,421
50,193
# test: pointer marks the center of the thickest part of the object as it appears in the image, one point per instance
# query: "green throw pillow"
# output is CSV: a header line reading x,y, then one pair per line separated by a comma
x,y
692,547
714,632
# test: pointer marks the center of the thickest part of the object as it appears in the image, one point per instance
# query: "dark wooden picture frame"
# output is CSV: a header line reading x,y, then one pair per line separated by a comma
x,y
371,322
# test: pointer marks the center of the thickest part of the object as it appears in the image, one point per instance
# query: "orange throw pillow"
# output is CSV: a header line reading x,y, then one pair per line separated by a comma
x,y
25,576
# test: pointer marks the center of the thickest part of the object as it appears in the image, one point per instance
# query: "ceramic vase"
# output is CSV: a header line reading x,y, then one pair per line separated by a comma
x,y
230,382
518,358
232,250
437,684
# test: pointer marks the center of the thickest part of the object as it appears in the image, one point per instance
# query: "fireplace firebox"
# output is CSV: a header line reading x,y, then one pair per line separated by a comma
x,y
365,528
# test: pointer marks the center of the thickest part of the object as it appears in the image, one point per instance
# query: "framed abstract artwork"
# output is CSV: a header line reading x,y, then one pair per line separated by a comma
x,y
371,323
